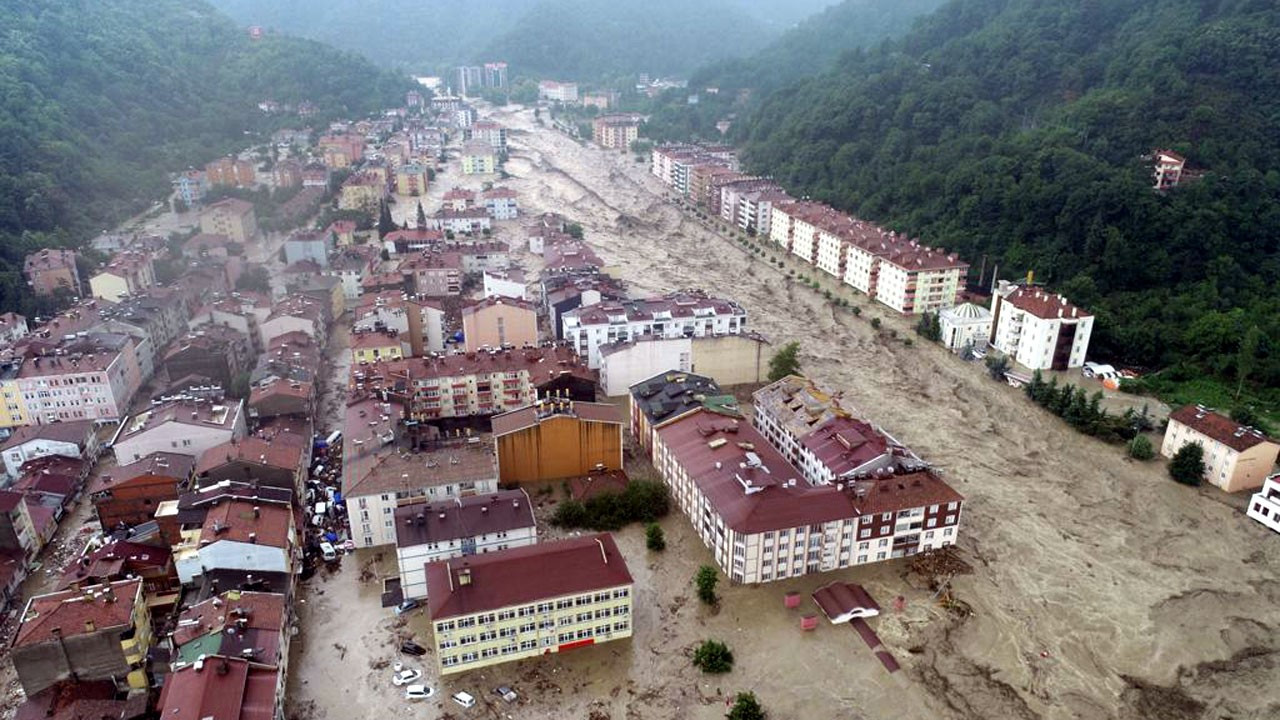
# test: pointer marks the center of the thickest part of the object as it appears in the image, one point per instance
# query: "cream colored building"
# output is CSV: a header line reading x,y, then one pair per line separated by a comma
x,y
478,158
1039,329
231,217
1236,457
528,602
498,322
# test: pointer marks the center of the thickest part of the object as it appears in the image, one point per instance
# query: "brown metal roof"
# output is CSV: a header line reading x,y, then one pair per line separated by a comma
x,y
434,522
531,415
1219,427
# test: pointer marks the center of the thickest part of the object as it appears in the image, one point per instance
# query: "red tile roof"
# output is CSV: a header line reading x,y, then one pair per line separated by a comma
x,y
1043,304
525,575
400,472
258,610
113,559
468,517
236,521
69,432
250,450
222,689
69,611
1219,427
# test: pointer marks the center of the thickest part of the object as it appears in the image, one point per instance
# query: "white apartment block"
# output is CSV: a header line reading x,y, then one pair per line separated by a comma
x,y
591,327
1264,506
1038,329
475,525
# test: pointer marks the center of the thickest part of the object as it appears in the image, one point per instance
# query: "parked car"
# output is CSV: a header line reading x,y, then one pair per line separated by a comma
x,y
328,552
506,693
465,699
406,606
418,692
406,677
410,647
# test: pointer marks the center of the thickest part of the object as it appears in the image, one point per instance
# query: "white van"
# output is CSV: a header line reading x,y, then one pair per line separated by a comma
x,y
464,699
328,552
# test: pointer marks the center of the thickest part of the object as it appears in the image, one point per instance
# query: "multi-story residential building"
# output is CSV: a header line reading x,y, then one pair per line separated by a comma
x,y
363,191
88,378
51,270
232,217
1264,506
13,327
123,560
763,521
237,623
529,601
559,92
1168,169
501,203
100,632
418,321
433,273
1236,457
790,408
471,220
129,494
13,407
411,179
303,246
490,132
20,541
298,313
669,395
238,535
475,525
216,352
287,174
230,171
506,283
352,265
153,319
556,439
965,326
615,132
191,187
183,426
341,150
316,175
376,486
459,199
499,322
222,687
495,75
270,464
478,158
1038,329
728,359
468,79
602,100
680,314
73,439
128,273
377,345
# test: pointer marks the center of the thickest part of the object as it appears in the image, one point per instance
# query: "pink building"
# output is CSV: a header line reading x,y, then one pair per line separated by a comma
x,y
52,269
93,378
497,322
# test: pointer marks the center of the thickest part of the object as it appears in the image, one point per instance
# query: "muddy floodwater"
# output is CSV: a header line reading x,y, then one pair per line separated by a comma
x,y
1100,589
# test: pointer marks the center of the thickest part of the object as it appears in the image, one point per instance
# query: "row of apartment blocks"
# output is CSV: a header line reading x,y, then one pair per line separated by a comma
x,y
898,271
808,488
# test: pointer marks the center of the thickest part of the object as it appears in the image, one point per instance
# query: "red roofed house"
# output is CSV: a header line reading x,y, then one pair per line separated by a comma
x,y
1236,457
222,688
272,464
52,269
123,560
554,439
236,623
765,521
580,589
100,632
129,494
1038,329
239,535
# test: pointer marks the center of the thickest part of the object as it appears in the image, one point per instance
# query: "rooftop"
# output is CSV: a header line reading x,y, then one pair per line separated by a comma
x,y
251,450
75,431
520,576
496,300
242,521
1042,303
186,411
671,394
402,472
78,612
503,511
233,610
1219,427
232,205
543,410
670,306
114,559
219,688
799,404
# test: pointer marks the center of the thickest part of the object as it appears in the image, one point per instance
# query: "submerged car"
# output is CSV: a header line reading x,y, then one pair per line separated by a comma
x,y
418,692
406,676
409,647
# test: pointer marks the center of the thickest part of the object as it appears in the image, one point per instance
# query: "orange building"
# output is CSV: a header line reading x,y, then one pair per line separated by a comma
x,y
499,322
554,439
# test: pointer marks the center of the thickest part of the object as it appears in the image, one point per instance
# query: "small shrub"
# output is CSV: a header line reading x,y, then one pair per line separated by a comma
x,y
654,538
855,310
1140,448
713,657
875,323
746,707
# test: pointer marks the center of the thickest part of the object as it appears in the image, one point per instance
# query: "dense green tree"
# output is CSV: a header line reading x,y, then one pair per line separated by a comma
x,y
1187,465
713,657
785,362
422,216
255,278
705,581
1140,448
654,538
386,225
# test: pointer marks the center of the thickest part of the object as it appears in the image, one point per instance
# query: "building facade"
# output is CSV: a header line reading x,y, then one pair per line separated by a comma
x,y
1038,329
1236,457
498,322
555,439
681,314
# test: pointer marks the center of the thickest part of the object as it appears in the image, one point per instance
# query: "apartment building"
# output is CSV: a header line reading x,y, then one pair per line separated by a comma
x,y
363,191
51,270
1236,457
431,531
188,426
1264,506
303,246
916,278
222,687
459,222
495,75
763,521
1039,329
340,150
552,91
128,273
93,377
100,632
1168,169
376,486
729,359
129,494
230,171
489,132
218,353
271,464
501,203
238,534
527,602
231,217
72,439
554,439
191,187
418,321
615,132
478,158
412,179
506,284
670,395
499,322
679,314
433,273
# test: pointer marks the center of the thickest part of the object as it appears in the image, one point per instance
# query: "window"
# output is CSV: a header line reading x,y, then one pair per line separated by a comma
x,y
547,624
865,533
624,592
487,618
620,626
544,607
467,622
565,637
467,640
528,644
489,652
468,657
880,556
449,660
563,604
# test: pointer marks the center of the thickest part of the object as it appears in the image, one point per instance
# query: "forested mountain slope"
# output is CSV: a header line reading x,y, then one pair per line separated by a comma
x,y
808,49
1015,129
100,99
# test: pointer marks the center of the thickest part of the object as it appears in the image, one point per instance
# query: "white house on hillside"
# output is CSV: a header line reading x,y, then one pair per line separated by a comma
x,y
1039,329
